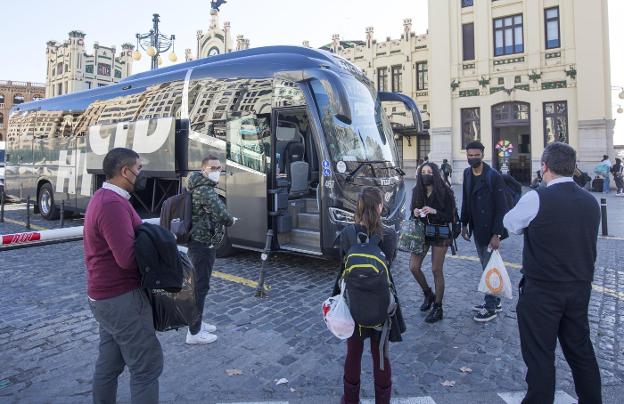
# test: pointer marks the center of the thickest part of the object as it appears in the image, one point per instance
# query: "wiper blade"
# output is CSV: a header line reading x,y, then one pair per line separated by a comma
x,y
350,176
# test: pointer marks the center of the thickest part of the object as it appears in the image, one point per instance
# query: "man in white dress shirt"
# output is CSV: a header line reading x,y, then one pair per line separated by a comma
x,y
560,226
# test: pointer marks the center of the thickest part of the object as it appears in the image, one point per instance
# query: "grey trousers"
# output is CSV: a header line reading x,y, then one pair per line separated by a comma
x,y
491,302
127,338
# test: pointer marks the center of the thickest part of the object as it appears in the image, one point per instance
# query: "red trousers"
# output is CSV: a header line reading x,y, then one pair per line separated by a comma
x,y
353,368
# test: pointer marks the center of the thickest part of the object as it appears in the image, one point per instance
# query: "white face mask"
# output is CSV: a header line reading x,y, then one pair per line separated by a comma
x,y
214,176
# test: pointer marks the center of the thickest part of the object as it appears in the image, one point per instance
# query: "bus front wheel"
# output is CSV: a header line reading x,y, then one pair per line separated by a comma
x,y
45,200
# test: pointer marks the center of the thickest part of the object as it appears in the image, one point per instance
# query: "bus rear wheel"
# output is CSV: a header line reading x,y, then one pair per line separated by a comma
x,y
45,200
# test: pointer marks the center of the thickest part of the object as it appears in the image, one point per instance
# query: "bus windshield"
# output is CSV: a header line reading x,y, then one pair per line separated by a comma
x,y
368,138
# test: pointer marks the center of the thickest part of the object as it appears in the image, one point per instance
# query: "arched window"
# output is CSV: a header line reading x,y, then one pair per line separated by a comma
x,y
18,99
1,120
37,97
1,98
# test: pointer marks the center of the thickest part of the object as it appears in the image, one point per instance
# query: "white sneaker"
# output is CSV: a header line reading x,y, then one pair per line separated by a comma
x,y
201,337
208,327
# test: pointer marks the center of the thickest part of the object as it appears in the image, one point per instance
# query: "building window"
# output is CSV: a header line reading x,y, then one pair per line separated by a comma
x,y
37,97
508,35
382,79
471,125
1,99
555,122
103,69
1,120
422,76
59,68
468,41
551,18
18,99
397,73
466,3
59,90
424,147
117,74
89,69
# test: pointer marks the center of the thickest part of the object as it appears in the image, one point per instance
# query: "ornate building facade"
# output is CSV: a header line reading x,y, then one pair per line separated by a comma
x,y
514,74
71,69
13,93
217,39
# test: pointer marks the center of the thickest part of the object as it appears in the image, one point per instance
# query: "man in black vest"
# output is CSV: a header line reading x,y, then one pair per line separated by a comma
x,y
483,208
560,226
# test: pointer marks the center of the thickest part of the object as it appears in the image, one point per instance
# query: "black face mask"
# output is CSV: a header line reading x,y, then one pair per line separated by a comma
x,y
140,181
427,179
474,162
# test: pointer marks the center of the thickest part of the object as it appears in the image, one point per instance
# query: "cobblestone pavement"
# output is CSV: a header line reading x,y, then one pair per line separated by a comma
x,y
48,337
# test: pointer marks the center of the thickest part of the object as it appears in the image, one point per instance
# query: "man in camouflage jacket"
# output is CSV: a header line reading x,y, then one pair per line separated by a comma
x,y
209,218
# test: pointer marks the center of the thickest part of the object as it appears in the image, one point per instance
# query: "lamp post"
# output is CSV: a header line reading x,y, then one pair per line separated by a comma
x,y
154,43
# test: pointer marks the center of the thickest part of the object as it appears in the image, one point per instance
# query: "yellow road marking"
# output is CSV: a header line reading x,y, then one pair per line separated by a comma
x,y
597,288
238,279
20,223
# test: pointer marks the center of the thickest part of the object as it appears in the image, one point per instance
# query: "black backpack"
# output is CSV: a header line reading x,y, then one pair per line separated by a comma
x,y
512,189
367,281
369,290
176,215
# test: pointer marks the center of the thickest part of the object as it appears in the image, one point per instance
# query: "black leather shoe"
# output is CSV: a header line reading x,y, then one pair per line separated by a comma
x,y
429,299
436,314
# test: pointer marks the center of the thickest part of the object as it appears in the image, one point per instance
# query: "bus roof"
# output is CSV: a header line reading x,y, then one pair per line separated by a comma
x,y
252,63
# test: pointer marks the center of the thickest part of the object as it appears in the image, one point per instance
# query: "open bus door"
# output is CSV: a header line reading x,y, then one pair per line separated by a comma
x,y
246,181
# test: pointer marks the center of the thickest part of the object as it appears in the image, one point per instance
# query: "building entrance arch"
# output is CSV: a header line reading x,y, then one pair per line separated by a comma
x,y
511,139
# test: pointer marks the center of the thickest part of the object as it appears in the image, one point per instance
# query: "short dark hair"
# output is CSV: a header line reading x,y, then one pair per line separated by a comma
x,y
605,157
116,159
475,145
444,160
208,158
560,158
617,160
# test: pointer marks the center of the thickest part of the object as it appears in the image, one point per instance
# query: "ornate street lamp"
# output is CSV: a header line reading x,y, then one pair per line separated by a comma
x,y
154,43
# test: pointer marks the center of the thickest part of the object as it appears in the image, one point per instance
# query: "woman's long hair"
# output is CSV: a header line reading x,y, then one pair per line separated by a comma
x,y
440,188
367,214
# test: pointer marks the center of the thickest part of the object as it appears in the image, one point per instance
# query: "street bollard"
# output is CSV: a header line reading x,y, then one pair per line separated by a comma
x,y
62,214
28,213
260,290
2,206
603,213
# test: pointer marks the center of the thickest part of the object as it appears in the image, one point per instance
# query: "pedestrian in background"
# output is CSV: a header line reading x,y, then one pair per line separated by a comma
x,y
483,208
447,170
606,185
368,221
618,176
432,203
119,305
209,218
560,226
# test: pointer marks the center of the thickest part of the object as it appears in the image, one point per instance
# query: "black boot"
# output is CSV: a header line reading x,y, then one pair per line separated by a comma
x,y
382,394
436,314
429,299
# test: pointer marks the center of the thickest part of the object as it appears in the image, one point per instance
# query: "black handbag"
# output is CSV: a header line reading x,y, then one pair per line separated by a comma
x,y
437,232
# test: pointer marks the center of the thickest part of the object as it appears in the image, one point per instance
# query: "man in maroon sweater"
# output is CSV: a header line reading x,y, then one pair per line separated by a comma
x,y
124,314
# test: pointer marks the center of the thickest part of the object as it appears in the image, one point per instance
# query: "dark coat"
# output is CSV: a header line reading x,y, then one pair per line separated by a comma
x,y
445,210
156,253
483,208
346,239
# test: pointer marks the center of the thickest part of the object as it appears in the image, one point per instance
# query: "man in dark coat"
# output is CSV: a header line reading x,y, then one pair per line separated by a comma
x,y
483,208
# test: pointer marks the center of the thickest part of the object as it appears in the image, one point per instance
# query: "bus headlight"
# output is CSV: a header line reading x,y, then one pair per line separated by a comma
x,y
339,215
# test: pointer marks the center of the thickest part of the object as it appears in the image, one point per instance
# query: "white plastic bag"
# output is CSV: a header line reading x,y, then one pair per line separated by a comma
x,y
495,279
337,316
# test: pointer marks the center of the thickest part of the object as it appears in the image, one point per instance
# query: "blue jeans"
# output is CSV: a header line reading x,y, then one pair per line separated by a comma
x,y
491,302
606,184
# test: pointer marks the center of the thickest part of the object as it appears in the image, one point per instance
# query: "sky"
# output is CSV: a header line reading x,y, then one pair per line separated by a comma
x,y
31,23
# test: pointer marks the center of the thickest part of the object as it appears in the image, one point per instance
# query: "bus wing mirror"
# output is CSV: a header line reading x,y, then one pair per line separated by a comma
x,y
409,104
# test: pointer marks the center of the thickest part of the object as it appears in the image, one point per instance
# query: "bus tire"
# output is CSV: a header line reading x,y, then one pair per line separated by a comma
x,y
45,202
225,249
